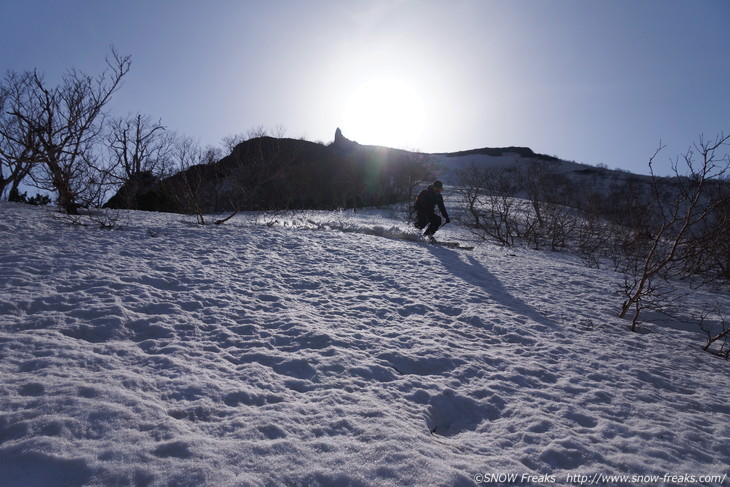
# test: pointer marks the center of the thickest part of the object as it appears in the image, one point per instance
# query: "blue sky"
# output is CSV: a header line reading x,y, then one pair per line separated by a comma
x,y
594,81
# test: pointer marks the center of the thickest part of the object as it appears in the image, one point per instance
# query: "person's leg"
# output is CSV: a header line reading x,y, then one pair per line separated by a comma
x,y
421,220
434,224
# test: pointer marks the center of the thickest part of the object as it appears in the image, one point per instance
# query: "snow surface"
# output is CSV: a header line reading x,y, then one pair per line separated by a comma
x,y
326,349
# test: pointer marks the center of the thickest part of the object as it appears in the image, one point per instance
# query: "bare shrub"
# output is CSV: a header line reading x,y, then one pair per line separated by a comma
x,y
717,331
679,233
490,205
59,127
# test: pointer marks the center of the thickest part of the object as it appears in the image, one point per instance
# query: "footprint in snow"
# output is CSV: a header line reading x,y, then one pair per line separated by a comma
x,y
427,365
449,414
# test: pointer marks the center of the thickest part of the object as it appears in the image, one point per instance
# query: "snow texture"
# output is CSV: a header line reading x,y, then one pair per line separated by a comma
x,y
327,349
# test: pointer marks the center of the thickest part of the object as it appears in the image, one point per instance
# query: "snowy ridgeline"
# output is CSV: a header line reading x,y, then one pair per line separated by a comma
x,y
326,349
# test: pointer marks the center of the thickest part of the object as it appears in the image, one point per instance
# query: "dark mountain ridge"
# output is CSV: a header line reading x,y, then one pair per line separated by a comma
x,y
279,173
266,173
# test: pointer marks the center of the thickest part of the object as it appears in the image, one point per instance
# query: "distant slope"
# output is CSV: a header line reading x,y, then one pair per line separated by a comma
x,y
563,182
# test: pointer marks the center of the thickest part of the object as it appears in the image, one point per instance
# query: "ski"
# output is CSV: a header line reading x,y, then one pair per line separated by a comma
x,y
451,245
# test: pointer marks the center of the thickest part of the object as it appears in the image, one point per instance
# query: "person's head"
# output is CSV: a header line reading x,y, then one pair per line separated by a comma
x,y
438,185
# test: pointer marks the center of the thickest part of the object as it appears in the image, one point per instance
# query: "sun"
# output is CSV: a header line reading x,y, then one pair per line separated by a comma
x,y
385,111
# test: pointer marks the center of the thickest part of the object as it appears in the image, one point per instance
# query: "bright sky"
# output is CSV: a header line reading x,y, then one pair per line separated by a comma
x,y
600,81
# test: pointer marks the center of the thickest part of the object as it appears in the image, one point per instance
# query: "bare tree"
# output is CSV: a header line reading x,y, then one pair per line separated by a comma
x,y
62,125
717,330
490,203
532,176
139,145
710,260
349,182
677,237
594,232
229,142
16,142
140,154
413,171
189,184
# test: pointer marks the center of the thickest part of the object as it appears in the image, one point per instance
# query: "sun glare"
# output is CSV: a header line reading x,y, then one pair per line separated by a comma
x,y
385,111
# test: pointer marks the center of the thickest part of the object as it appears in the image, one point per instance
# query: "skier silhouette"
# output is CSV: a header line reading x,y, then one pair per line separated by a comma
x,y
425,207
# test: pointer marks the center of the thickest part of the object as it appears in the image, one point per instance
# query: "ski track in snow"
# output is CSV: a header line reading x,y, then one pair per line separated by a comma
x,y
254,354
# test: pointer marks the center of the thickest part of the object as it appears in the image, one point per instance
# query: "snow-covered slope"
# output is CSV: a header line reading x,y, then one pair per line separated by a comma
x,y
582,179
449,164
326,349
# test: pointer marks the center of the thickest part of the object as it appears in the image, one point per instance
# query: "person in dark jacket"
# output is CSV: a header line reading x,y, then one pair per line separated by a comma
x,y
425,206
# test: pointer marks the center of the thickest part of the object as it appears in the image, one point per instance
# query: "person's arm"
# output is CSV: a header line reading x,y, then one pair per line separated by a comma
x,y
442,209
